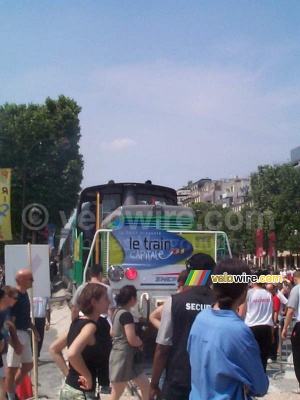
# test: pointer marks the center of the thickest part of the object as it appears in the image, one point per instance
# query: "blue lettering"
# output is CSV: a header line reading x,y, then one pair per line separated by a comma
x,y
166,279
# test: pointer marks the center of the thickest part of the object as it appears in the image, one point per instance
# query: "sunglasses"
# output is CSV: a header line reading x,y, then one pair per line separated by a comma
x,y
13,297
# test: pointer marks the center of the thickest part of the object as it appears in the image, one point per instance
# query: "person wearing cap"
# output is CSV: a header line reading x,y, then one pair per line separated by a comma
x,y
178,316
20,363
224,355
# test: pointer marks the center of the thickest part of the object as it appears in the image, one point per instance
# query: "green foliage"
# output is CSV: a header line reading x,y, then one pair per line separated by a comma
x,y
241,231
41,145
209,216
239,226
277,190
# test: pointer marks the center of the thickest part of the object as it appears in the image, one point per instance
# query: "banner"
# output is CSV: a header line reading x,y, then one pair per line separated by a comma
x,y
151,247
5,217
271,244
259,240
76,251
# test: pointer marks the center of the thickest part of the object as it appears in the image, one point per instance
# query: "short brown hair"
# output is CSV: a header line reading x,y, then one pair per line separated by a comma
x,y
296,274
8,291
89,292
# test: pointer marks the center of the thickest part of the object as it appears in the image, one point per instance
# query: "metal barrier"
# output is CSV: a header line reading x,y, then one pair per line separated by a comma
x,y
284,345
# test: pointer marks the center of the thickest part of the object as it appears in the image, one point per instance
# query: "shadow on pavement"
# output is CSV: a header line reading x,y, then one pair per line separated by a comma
x,y
57,285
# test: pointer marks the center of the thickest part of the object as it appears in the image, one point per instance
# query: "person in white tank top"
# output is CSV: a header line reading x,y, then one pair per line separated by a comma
x,y
258,314
259,307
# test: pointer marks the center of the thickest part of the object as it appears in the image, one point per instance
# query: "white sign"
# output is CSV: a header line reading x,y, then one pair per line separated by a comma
x,y
17,257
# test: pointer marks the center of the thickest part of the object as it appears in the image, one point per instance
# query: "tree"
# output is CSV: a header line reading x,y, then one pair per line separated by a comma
x,y
276,190
209,216
239,226
41,145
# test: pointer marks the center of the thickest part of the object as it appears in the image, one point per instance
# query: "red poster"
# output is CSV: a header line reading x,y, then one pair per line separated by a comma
x,y
271,244
259,240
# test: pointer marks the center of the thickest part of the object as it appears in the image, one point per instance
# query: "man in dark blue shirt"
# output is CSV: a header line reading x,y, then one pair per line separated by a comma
x,y
19,364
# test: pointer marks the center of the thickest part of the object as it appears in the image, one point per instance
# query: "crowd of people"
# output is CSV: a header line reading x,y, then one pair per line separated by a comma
x,y
213,341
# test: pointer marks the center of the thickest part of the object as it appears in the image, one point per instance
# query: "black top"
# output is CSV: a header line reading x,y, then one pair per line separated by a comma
x,y
126,318
185,307
3,316
89,354
21,311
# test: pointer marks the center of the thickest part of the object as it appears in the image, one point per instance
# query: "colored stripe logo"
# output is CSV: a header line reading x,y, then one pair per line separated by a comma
x,y
197,278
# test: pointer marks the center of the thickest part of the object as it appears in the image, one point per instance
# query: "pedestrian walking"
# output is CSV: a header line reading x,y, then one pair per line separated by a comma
x,y
41,313
123,363
19,363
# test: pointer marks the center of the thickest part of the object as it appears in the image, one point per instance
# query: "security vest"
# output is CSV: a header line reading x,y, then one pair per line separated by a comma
x,y
185,307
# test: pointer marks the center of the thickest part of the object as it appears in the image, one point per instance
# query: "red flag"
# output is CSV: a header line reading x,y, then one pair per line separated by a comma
x,y
271,244
24,389
259,240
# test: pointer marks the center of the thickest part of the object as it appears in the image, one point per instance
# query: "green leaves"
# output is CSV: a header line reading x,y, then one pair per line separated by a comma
x,y
277,189
41,145
239,226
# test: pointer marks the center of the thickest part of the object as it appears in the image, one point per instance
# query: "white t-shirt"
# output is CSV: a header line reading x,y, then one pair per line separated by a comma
x,y
259,308
40,305
165,332
294,301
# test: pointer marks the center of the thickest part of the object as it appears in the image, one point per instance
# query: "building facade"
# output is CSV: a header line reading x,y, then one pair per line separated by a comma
x,y
231,193
295,157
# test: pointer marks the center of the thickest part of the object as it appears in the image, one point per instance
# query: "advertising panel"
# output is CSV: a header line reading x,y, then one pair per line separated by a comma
x,y
17,257
5,217
158,255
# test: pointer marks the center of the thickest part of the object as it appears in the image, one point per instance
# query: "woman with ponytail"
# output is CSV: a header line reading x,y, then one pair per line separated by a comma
x,y
123,365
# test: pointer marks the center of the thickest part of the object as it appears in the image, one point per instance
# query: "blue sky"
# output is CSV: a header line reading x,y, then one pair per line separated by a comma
x,y
170,91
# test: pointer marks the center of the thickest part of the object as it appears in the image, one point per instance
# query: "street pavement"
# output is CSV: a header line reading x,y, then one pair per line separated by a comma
x,y
50,378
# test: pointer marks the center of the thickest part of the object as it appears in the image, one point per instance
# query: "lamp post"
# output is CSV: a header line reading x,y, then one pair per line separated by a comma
x,y
64,144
